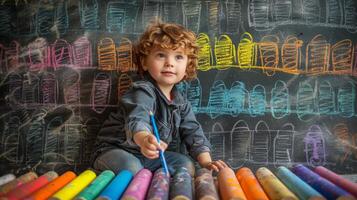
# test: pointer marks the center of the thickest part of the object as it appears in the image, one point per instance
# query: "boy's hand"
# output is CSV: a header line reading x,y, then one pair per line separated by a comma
x,y
216,165
150,147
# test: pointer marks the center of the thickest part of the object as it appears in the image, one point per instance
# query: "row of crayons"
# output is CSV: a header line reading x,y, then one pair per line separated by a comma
x,y
299,182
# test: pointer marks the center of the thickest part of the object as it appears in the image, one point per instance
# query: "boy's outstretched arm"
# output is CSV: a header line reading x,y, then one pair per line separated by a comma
x,y
205,160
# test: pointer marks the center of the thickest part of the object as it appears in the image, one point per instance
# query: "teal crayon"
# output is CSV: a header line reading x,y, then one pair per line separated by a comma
x,y
117,186
156,132
303,190
93,190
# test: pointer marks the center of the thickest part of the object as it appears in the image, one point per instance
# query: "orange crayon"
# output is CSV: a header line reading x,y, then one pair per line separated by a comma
x,y
25,178
49,189
229,187
250,185
28,188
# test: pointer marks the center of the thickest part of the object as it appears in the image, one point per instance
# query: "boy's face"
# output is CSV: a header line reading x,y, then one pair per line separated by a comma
x,y
166,66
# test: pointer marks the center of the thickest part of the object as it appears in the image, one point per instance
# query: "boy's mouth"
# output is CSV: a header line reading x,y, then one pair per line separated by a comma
x,y
168,73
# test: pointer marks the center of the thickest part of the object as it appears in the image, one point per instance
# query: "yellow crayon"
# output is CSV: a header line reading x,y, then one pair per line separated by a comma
x,y
75,187
274,188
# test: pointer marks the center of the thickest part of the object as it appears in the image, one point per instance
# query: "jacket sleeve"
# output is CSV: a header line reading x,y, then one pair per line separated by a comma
x,y
138,102
191,132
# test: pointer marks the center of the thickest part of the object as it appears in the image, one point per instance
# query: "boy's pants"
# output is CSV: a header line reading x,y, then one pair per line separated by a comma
x,y
119,159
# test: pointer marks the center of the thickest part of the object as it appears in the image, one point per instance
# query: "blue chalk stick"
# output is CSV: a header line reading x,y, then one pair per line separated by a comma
x,y
117,187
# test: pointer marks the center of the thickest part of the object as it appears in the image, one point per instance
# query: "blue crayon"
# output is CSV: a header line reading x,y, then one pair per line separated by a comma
x,y
156,132
117,187
303,190
322,185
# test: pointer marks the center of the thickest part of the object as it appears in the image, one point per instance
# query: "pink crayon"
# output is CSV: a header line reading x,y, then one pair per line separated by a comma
x,y
139,186
338,180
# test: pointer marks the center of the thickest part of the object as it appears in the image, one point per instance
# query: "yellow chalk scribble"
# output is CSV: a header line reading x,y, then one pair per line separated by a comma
x,y
225,53
204,54
246,51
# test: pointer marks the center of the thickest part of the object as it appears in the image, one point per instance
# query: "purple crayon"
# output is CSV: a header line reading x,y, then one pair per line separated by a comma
x,y
322,185
160,184
138,187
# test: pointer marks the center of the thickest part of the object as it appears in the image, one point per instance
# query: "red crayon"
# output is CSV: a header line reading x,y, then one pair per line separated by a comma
x,y
30,187
338,180
25,178
46,191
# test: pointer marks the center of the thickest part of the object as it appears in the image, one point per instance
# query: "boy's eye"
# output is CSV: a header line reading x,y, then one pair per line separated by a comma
x,y
179,57
160,55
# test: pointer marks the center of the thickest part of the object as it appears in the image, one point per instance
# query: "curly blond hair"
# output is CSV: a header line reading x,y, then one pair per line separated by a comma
x,y
168,36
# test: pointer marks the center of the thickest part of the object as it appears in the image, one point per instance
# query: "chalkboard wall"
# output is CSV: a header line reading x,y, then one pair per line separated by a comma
x,y
276,82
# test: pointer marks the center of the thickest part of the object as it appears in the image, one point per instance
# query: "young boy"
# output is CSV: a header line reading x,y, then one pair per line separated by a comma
x,y
167,54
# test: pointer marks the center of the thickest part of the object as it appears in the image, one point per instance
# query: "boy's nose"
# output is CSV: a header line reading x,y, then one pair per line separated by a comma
x,y
169,62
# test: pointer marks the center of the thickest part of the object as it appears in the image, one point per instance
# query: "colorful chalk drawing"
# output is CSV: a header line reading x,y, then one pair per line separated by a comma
x,y
38,54
283,145
291,54
259,148
61,53
268,55
101,92
204,53
124,83
326,98
120,16
246,51
107,54
216,100
280,100
88,12
44,18
5,19
257,101
308,102
305,104
245,146
233,10
344,141
346,100
315,146
82,52
192,15
240,148
16,2
125,56
225,54
213,15
71,87
336,14
218,139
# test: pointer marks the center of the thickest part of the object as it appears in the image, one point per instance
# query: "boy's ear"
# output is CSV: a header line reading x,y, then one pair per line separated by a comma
x,y
142,62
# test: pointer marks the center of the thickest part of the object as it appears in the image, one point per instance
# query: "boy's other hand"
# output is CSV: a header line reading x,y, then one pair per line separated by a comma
x,y
216,165
150,147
